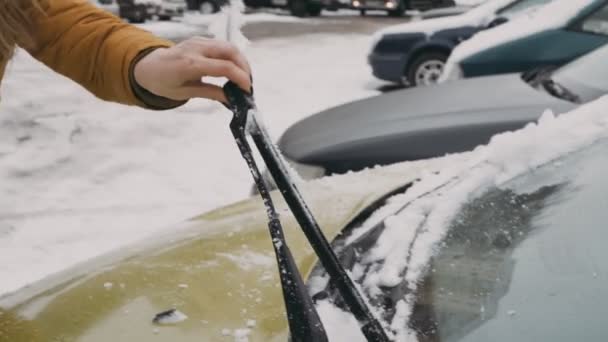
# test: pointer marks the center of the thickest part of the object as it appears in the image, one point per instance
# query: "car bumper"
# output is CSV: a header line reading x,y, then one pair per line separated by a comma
x,y
173,11
385,5
388,67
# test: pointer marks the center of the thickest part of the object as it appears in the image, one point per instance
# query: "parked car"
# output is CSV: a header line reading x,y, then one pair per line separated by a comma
x,y
171,8
135,11
444,12
415,53
505,243
553,35
426,122
298,8
108,5
206,6
397,8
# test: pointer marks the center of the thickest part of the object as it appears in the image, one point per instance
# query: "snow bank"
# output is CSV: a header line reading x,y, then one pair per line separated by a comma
x,y
419,218
551,16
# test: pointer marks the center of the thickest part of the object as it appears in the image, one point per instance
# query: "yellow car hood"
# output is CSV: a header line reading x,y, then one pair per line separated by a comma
x,y
219,270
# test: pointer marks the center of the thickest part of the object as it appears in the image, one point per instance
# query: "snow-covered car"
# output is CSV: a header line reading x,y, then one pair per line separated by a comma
x,y
171,8
427,122
397,8
555,34
503,243
415,53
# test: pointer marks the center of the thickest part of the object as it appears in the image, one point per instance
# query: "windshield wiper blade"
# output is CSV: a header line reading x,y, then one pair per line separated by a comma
x,y
558,90
303,319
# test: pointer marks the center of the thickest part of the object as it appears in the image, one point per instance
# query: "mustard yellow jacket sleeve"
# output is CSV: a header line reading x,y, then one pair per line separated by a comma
x,y
94,48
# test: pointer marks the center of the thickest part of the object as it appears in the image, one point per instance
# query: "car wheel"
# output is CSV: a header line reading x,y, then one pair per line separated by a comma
x,y
426,69
298,8
314,10
399,11
362,12
208,7
139,15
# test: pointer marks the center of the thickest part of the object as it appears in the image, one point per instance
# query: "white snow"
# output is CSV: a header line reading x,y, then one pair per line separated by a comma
x,y
412,234
554,15
80,177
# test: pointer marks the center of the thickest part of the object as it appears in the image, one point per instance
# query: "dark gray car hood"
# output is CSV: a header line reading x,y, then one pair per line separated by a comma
x,y
417,123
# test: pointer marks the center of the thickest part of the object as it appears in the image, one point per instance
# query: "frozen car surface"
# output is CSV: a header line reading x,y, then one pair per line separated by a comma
x,y
220,274
508,245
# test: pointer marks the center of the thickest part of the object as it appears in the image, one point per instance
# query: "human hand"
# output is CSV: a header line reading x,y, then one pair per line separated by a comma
x,y
176,72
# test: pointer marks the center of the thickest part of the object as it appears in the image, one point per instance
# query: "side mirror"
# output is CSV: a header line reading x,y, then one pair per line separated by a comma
x,y
497,21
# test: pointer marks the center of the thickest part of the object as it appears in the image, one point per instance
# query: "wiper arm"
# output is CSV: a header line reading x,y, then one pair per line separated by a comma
x,y
558,90
303,319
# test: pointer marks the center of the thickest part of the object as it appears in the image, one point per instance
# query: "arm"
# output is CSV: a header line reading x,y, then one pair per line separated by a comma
x,y
95,49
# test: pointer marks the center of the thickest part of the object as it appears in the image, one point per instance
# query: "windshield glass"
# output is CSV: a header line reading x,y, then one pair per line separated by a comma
x,y
527,261
586,76
520,6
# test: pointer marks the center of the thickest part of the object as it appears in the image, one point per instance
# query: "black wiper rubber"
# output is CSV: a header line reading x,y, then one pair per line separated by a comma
x,y
303,319
559,90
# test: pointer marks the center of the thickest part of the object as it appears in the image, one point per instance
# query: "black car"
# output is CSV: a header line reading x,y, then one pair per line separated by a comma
x,y
397,8
298,8
415,53
432,121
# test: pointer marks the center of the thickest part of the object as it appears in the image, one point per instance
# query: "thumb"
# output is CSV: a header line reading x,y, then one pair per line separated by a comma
x,y
204,90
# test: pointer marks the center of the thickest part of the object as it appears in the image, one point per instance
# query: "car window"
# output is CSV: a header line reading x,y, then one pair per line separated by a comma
x,y
520,6
597,22
526,261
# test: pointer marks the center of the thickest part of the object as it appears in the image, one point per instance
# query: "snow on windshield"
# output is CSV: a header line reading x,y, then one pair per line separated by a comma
x,y
427,208
551,16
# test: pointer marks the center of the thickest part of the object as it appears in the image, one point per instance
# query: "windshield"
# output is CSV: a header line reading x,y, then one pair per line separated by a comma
x,y
526,261
586,76
520,6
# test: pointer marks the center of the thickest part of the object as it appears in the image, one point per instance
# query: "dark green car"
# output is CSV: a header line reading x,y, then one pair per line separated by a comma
x,y
549,37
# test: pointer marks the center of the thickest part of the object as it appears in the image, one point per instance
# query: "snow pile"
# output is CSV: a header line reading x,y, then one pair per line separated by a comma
x,y
554,15
421,216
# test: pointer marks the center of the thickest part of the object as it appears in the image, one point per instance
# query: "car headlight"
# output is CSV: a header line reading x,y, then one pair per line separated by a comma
x,y
298,171
451,72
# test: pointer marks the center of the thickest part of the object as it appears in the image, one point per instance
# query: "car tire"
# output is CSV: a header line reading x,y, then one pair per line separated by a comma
x,y
209,7
298,8
399,11
426,69
314,10
139,15
362,12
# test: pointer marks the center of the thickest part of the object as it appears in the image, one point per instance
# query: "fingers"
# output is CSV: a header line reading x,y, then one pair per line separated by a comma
x,y
223,68
221,59
223,50
209,91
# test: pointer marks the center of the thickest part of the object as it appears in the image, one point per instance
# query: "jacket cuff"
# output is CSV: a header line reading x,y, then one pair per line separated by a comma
x,y
149,99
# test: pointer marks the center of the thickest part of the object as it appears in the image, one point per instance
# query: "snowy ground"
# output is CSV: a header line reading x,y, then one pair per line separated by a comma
x,y
79,177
